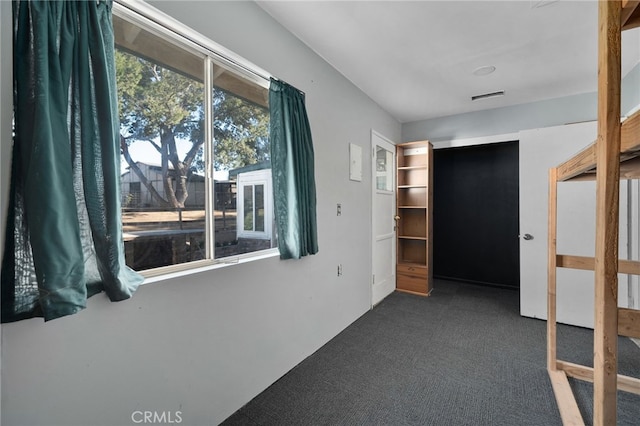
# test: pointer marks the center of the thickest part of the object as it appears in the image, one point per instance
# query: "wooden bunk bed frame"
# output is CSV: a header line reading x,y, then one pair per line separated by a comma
x,y
613,156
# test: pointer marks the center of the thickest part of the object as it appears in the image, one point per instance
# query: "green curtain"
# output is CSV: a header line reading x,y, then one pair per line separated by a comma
x,y
292,171
64,230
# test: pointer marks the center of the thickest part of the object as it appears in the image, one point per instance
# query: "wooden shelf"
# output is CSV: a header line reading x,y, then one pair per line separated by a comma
x,y
414,199
404,266
422,167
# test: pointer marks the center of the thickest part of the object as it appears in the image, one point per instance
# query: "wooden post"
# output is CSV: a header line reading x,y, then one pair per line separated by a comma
x,y
551,270
607,215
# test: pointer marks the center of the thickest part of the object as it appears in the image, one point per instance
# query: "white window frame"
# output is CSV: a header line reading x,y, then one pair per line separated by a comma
x,y
170,29
258,177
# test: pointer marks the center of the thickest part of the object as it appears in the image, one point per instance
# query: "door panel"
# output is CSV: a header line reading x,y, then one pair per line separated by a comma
x,y
541,149
383,212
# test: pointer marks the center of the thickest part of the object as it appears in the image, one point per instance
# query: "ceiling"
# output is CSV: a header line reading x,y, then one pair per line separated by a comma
x,y
416,59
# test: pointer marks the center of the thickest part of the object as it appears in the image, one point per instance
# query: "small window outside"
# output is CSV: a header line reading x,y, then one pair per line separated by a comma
x,y
254,211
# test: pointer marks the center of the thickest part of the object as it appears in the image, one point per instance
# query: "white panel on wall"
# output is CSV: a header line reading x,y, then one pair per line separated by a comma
x,y
355,162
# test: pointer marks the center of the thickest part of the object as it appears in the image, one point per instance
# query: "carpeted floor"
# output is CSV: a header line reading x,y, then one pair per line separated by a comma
x,y
463,356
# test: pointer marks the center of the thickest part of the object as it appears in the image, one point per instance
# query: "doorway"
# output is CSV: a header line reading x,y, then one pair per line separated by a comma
x,y
476,214
383,211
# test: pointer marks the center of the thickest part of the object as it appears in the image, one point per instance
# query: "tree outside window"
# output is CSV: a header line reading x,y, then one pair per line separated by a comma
x,y
162,137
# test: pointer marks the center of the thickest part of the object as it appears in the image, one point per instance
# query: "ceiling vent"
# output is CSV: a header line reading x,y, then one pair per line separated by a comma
x,y
488,95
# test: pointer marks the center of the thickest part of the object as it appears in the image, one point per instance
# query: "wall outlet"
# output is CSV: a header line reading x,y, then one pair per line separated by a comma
x,y
339,210
340,269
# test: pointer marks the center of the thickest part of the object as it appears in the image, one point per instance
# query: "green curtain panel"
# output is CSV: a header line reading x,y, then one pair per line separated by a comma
x,y
64,230
292,171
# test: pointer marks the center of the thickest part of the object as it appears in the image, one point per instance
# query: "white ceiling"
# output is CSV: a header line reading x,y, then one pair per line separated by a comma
x,y
416,58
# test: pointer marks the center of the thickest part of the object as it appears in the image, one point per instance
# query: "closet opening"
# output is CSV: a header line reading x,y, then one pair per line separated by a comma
x,y
476,214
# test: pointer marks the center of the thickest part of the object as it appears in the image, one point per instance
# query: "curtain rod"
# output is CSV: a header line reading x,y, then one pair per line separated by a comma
x,y
293,87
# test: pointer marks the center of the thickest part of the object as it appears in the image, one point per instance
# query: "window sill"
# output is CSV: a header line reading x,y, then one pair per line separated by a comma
x,y
177,271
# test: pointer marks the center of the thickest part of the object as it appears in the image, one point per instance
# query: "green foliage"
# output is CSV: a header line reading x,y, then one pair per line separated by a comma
x,y
156,102
241,132
159,106
153,99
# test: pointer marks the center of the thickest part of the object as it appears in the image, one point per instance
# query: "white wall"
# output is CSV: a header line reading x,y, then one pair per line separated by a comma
x,y
631,90
207,343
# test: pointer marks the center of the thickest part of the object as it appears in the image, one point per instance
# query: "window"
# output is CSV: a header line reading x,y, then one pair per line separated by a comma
x,y
255,207
185,110
384,169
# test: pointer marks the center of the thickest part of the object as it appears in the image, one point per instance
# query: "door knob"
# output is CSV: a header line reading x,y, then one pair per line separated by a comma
x,y
528,237
397,217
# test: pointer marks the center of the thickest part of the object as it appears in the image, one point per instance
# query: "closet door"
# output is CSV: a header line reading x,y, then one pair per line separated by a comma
x,y
541,149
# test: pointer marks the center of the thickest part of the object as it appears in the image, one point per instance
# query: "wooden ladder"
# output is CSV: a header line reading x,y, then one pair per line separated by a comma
x,y
601,161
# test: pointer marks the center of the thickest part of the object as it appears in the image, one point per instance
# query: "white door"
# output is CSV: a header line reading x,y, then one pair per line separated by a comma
x,y
541,149
383,212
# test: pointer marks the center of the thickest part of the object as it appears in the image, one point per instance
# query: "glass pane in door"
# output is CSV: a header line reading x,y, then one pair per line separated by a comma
x,y
384,169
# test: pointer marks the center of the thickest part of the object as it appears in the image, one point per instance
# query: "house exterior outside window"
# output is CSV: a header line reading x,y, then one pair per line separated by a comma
x,y
255,205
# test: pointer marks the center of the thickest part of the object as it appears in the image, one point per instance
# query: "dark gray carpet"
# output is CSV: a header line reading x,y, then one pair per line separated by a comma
x,y
463,356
